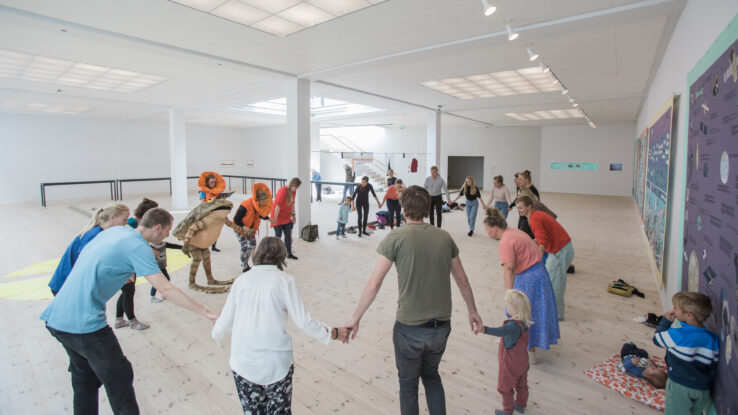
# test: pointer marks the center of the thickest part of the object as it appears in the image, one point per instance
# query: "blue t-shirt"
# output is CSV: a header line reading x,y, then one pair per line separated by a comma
x,y
343,213
106,263
70,257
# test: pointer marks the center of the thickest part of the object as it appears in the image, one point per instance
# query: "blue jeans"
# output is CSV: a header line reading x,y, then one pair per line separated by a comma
x,y
96,359
287,229
471,212
503,208
347,188
341,229
418,352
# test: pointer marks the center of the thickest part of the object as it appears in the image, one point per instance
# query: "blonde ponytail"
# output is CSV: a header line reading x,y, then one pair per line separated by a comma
x,y
104,214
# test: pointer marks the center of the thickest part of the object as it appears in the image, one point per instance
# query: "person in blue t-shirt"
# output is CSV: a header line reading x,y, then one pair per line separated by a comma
x,y
76,316
318,186
109,216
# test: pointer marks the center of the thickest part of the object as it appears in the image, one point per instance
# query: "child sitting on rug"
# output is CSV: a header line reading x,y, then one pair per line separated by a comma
x,y
512,377
343,215
635,361
691,353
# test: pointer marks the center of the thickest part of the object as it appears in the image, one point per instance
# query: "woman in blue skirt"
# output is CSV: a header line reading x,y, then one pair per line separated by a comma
x,y
524,271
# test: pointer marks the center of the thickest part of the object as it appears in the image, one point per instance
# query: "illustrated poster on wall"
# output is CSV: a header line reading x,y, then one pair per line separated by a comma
x,y
639,171
711,204
656,193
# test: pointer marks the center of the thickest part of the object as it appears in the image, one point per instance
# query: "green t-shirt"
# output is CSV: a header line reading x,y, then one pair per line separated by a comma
x,y
422,255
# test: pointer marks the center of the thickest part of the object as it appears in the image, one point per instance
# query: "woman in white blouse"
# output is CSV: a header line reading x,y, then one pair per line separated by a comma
x,y
261,350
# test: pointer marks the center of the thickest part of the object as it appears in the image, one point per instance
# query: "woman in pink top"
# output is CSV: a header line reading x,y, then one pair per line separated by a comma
x,y
524,271
500,196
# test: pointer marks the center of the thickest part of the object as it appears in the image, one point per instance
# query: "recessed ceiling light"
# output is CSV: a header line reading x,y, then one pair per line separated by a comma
x,y
319,107
520,81
36,68
545,115
306,15
45,107
279,17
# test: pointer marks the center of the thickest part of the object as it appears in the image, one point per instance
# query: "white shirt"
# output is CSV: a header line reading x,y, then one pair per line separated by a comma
x,y
256,312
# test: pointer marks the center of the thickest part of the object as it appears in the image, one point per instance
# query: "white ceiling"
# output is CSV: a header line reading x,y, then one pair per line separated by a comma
x,y
604,51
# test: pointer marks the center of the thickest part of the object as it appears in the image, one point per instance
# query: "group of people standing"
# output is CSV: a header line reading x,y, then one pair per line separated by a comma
x,y
425,256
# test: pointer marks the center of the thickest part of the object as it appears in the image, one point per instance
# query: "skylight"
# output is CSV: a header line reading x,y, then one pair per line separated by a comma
x,y
319,107
37,68
279,17
50,108
546,115
487,85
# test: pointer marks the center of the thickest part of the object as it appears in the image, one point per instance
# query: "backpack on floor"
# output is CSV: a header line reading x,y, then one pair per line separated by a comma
x,y
309,232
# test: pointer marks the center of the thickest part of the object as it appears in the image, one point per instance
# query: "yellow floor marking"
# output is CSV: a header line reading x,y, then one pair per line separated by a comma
x,y
38,288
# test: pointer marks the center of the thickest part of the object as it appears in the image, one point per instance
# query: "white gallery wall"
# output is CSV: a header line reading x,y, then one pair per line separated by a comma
x,y
698,27
603,145
62,149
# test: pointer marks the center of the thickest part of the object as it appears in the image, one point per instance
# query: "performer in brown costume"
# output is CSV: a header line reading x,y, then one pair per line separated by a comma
x,y
199,230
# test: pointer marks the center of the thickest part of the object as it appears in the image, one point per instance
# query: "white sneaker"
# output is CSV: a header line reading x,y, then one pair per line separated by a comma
x,y
156,300
344,235
336,236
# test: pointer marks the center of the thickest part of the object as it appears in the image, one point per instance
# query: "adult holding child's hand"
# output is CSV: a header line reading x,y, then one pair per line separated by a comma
x,y
424,257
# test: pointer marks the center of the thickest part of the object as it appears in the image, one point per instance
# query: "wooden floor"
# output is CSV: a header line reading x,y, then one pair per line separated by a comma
x,y
179,368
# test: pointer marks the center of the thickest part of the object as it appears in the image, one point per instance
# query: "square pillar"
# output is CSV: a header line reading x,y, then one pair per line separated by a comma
x,y
433,142
178,158
298,145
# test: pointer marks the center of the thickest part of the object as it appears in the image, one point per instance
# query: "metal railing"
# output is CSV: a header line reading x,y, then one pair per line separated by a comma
x,y
112,182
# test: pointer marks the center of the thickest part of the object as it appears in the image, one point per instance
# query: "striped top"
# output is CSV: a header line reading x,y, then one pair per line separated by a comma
x,y
691,353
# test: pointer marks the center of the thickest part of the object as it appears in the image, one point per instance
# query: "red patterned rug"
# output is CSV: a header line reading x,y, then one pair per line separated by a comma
x,y
608,374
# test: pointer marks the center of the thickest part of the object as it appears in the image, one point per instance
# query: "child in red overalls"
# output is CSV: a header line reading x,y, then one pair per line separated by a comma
x,y
512,378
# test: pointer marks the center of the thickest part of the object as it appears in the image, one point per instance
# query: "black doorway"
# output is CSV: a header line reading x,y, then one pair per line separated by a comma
x,y
459,167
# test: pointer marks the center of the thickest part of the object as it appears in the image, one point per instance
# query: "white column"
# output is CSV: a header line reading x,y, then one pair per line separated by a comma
x,y
178,158
298,145
314,153
433,143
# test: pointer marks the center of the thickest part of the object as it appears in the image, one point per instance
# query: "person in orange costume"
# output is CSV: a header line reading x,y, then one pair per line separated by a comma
x,y
211,185
249,215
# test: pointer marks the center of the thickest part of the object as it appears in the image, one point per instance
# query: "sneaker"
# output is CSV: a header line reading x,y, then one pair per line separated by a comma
x,y
156,300
121,322
344,235
290,256
247,269
366,233
337,236
518,408
470,233
137,325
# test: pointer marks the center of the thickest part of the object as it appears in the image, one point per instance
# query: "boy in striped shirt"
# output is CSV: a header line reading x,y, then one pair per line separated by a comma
x,y
691,353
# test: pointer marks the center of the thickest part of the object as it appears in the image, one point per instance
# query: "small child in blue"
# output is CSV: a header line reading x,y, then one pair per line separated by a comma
x,y
343,215
635,361
692,353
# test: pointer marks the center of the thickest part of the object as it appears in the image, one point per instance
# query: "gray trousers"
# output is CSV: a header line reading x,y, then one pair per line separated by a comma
x,y
418,352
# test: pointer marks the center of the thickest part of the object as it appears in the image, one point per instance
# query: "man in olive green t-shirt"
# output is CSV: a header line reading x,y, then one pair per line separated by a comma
x,y
424,256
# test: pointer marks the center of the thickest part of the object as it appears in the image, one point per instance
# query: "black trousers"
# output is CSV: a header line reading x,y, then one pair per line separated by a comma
x,y
96,359
125,301
393,206
437,206
166,274
362,210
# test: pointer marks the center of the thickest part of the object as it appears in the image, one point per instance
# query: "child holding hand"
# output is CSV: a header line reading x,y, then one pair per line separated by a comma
x,y
691,353
512,377
343,215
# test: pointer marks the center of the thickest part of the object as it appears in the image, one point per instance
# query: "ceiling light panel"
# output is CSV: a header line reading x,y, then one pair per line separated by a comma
x,y
278,17
545,115
45,107
36,68
319,107
504,83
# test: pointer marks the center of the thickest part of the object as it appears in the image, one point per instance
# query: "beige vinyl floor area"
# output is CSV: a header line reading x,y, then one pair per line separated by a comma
x,y
179,369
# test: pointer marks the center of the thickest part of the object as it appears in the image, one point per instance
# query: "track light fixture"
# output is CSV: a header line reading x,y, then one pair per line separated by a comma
x,y
544,68
554,79
531,56
575,104
511,35
564,90
571,100
488,8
